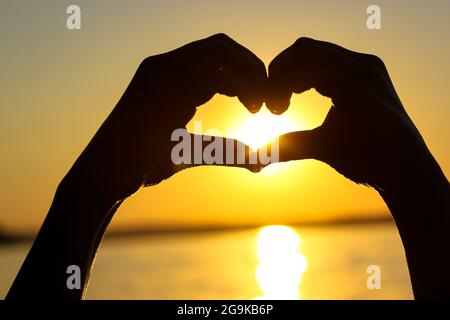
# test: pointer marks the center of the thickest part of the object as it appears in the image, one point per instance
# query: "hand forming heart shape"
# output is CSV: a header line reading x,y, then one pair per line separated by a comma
x,y
367,136
360,136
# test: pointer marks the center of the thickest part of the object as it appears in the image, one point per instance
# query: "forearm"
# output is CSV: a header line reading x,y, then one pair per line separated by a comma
x,y
421,210
70,235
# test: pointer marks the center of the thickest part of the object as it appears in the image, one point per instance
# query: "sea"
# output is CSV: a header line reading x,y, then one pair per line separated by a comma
x,y
357,261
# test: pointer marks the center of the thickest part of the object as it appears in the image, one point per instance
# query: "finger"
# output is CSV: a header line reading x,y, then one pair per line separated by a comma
x,y
370,60
196,45
300,145
309,64
318,52
222,65
344,91
201,150
318,143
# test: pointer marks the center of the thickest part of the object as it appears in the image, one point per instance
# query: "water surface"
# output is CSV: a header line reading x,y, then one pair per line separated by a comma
x,y
273,262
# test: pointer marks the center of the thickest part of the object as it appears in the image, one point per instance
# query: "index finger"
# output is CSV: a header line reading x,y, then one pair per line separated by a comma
x,y
219,64
311,64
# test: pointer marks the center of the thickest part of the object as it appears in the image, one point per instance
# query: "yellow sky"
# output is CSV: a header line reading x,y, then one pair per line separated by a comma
x,y
57,86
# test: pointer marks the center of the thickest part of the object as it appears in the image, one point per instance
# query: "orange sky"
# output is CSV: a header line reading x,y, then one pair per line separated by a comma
x,y
59,85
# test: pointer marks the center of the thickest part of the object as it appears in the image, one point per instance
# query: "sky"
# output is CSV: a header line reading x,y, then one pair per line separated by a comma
x,y
58,85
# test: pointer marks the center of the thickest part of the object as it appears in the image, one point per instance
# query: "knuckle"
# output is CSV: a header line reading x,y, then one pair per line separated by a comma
x,y
375,63
218,42
375,60
215,43
219,37
302,41
146,64
152,64
149,62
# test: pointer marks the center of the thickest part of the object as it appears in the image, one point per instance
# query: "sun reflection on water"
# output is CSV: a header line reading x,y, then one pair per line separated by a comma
x,y
281,264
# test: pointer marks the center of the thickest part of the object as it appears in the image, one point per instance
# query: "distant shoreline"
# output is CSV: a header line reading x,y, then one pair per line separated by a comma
x,y
13,238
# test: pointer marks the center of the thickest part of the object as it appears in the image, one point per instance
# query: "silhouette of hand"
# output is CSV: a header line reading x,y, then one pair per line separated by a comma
x,y
367,135
163,96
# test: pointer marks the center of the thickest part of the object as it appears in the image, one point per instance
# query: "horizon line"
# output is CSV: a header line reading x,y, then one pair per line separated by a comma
x,y
16,237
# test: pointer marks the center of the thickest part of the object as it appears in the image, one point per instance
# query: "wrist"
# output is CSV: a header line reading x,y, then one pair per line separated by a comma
x,y
419,198
413,177
83,204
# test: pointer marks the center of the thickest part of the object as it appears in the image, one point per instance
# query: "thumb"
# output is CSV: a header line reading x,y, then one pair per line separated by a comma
x,y
234,154
300,145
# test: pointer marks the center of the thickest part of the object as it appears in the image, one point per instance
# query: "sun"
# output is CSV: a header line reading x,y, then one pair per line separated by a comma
x,y
259,129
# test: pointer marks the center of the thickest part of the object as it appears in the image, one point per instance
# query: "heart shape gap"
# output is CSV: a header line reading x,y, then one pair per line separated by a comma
x,y
227,117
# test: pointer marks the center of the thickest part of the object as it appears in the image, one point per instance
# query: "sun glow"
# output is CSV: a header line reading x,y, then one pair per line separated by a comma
x,y
261,128
281,264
